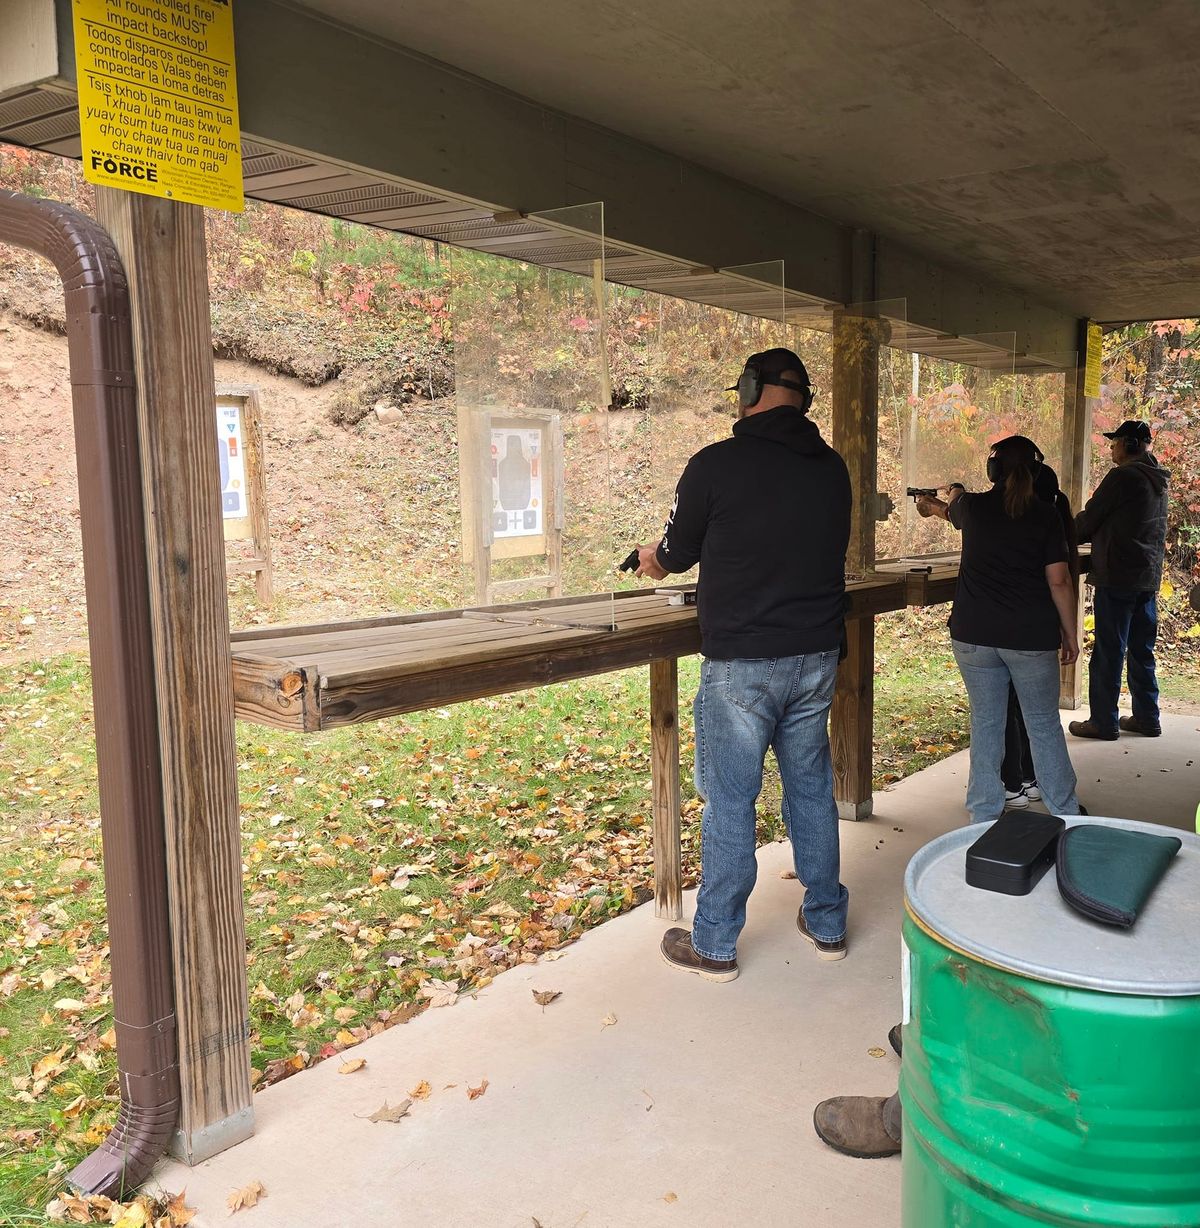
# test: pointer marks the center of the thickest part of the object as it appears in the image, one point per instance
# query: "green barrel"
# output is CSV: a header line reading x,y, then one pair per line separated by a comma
x,y
1051,1070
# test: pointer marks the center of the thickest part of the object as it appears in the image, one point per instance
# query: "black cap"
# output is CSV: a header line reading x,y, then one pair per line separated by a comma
x,y
1137,432
773,362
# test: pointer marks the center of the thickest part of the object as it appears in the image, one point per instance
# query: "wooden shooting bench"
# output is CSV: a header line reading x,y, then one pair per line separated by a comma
x,y
310,678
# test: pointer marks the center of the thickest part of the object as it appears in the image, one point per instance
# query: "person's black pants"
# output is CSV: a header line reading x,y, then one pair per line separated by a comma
x,y
1017,768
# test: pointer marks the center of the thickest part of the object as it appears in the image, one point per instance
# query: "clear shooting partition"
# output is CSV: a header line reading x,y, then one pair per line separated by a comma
x,y
673,359
533,392
959,403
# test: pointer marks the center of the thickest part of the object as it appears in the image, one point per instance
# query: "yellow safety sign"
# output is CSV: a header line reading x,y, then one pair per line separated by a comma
x,y
1093,360
158,98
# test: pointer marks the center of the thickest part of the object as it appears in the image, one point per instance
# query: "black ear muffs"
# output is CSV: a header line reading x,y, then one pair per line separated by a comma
x,y
995,468
751,381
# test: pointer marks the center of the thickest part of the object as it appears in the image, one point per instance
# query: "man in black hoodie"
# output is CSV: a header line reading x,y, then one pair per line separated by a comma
x,y
766,514
1126,522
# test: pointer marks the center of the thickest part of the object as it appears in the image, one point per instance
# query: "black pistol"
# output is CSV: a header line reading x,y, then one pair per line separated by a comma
x,y
631,563
921,492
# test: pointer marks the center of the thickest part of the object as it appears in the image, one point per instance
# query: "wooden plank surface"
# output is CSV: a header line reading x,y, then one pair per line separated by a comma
x,y
161,244
664,769
370,668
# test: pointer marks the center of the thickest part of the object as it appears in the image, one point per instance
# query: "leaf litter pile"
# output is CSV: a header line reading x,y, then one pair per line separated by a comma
x,y
389,869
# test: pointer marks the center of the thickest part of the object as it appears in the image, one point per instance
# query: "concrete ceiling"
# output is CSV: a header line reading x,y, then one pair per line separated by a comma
x,y
1053,147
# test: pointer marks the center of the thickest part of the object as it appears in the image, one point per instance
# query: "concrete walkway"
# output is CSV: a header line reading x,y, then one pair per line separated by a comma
x,y
693,1109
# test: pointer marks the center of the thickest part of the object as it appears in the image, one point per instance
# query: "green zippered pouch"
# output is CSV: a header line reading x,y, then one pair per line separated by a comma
x,y
1108,873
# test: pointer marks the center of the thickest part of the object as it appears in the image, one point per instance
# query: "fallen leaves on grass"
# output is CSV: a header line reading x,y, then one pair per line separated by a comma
x,y
473,1093
355,1063
543,997
391,1112
145,1211
440,993
247,1196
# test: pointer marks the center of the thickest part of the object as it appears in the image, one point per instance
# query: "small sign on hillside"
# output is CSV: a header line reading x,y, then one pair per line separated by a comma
x,y
158,98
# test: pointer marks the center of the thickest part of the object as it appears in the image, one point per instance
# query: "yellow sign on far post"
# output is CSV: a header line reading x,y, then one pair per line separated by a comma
x,y
1093,360
158,98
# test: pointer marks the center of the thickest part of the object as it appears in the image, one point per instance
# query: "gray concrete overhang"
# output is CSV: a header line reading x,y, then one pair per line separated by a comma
x,y
948,132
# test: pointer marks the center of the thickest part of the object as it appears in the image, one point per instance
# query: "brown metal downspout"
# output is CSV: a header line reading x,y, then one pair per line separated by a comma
x,y
99,333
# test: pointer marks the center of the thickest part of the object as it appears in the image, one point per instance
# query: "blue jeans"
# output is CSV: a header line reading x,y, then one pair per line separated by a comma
x,y
742,708
1126,626
1034,675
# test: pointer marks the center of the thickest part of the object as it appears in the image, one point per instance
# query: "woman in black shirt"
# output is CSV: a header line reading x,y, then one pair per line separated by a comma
x,y
1013,621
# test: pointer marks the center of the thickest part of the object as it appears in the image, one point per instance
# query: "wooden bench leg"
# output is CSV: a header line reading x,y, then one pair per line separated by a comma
x,y
851,731
664,768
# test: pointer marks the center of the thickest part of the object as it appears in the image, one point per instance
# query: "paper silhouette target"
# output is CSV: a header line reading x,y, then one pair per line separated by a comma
x,y
518,504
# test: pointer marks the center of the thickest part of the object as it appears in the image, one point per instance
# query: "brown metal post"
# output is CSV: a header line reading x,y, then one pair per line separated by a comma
x,y
123,686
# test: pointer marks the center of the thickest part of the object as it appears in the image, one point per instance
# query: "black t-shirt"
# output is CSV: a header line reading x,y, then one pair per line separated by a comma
x,y
1003,600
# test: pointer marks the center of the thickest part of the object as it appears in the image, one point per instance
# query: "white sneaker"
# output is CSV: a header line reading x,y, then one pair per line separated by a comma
x,y
1015,801
1031,791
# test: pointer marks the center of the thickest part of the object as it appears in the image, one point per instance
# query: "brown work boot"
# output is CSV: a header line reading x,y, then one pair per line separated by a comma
x,y
1130,724
865,1127
1089,729
678,951
825,948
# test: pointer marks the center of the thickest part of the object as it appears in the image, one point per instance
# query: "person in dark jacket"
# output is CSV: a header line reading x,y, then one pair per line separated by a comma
x,y
1126,522
766,514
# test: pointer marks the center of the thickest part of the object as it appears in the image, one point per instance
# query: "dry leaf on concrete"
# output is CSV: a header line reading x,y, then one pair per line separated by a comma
x,y
473,1093
355,1063
876,1053
421,1091
390,1113
543,997
247,1196
670,1198
607,1021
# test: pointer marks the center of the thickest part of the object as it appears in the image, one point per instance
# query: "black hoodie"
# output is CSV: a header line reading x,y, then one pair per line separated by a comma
x,y
766,514
1126,522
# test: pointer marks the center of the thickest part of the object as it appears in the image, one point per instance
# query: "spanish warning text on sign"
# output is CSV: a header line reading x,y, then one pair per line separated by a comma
x,y
158,98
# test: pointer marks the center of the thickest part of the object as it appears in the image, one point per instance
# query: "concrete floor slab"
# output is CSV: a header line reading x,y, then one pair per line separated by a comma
x,y
693,1109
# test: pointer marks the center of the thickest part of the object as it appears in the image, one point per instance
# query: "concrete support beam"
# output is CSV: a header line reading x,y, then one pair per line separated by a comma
x,y
28,43
340,97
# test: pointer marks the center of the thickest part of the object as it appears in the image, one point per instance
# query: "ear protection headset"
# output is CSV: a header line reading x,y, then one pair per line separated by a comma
x,y
995,467
752,379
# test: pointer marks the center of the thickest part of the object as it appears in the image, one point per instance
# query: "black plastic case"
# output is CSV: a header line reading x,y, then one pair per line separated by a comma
x,y
1014,853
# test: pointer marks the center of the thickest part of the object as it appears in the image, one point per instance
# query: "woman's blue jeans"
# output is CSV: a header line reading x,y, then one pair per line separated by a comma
x,y
987,673
742,708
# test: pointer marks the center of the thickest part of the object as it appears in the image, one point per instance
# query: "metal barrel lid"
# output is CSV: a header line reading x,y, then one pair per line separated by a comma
x,y
1041,936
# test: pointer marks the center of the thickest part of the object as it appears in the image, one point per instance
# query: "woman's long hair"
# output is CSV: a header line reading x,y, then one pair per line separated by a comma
x,y
1017,458
1046,488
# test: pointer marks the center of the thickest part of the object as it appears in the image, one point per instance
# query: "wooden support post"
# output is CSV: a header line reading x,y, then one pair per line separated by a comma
x,y
855,391
1075,482
664,767
161,244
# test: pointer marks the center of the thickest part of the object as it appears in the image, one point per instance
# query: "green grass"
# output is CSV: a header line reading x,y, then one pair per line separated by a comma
x,y
519,822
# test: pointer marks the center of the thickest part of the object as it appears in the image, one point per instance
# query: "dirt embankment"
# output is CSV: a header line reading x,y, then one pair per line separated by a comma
x,y
364,519
336,499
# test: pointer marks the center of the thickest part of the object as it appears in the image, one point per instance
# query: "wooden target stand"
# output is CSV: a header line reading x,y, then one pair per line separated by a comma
x,y
511,487
244,484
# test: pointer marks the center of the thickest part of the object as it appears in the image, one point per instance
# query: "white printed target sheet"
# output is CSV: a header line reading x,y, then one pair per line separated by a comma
x,y
232,459
517,465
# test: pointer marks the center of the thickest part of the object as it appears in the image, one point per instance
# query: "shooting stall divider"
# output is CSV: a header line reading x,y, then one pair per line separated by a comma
x,y
120,637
